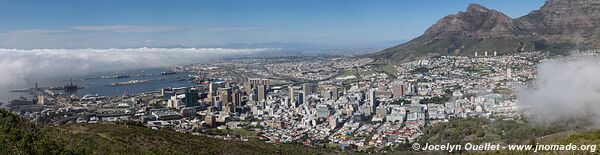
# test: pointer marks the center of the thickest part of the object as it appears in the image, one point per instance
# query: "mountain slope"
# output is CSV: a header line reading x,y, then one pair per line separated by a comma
x,y
558,25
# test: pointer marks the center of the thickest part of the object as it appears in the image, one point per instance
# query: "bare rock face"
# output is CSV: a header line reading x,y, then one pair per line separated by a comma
x,y
563,17
477,21
557,25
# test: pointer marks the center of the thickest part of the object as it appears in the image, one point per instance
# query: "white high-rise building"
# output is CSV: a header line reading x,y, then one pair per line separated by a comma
x,y
509,73
372,99
291,95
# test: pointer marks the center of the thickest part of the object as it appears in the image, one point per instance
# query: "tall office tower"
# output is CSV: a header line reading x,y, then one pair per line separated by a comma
x,y
335,93
291,94
211,90
225,95
191,97
398,90
509,73
495,53
236,98
485,54
254,82
372,99
299,101
267,83
262,93
309,88
475,54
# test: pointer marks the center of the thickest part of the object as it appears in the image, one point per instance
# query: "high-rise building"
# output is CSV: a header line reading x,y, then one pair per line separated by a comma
x,y
236,98
335,94
509,73
191,97
173,102
291,94
262,93
309,88
225,95
254,82
211,90
267,83
300,100
398,90
372,99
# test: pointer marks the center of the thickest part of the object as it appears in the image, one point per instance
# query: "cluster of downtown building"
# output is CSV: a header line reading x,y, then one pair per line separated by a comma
x,y
365,110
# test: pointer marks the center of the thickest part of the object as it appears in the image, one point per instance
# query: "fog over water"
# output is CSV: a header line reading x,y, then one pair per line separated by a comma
x,y
565,88
21,68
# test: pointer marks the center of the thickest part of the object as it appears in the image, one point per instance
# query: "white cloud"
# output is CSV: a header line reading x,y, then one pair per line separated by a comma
x,y
18,66
125,28
565,88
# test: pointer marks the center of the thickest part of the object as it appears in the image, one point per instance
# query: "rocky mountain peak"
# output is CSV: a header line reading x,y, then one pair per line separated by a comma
x,y
559,25
477,20
473,8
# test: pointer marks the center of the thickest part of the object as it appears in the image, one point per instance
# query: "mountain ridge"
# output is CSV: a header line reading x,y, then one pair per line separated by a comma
x,y
558,25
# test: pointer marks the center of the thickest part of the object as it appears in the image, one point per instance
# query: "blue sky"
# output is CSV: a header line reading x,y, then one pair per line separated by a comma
x,y
155,23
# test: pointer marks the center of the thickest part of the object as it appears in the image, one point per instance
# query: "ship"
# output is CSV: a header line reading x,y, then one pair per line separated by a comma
x,y
71,87
128,82
168,73
121,76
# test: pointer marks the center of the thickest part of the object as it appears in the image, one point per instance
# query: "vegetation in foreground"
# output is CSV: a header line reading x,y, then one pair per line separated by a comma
x,y
19,136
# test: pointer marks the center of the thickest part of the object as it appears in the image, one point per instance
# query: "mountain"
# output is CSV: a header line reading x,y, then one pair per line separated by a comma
x,y
558,25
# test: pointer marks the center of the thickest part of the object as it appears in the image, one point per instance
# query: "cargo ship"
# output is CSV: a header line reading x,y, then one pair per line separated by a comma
x,y
121,76
130,82
71,87
167,73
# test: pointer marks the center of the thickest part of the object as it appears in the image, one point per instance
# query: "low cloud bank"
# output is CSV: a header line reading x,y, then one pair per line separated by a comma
x,y
18,67
565,89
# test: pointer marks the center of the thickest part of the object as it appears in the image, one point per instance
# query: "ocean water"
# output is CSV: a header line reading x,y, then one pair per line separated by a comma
x,y
96,84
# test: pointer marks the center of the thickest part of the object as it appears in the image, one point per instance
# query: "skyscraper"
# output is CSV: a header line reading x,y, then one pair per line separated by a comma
x,y
211,90
335,94
262,93
254,81
299,101
225,95
372,99
398,90
291,94
236,98
267,83
191,97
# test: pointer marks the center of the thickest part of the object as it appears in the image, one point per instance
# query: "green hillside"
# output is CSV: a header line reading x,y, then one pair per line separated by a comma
x,y
22,137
